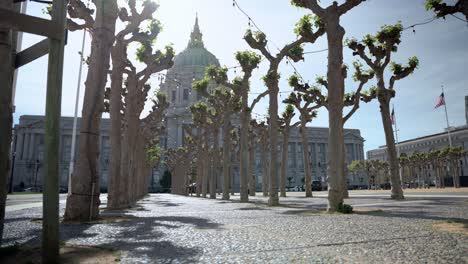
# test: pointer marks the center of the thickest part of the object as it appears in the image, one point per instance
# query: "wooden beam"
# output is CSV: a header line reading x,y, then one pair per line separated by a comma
x,y
30,24
32,53
50,209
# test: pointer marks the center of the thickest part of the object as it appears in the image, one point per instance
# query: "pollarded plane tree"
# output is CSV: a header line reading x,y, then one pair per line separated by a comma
x,y
285,125
181,164
151,128
137,89
176,162
130,33
294,51
307,112
314,96
214,150
261,130
252,147
225,103
240,87
235,156
195,141
84,193
211,140
443,9
376,51
202,122
330,19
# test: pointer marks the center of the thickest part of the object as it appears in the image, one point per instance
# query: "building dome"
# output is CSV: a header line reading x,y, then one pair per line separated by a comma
x,y
195,54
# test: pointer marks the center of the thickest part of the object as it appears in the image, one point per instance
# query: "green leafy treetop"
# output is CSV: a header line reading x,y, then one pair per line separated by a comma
x,y
376,52
442,9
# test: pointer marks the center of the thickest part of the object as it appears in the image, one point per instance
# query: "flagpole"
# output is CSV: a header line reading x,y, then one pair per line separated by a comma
x,y
397,142
446,119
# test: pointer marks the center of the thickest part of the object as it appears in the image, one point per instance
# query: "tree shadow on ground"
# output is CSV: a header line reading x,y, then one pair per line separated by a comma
x,y
257,208
167,203
305,212
137,236
415,215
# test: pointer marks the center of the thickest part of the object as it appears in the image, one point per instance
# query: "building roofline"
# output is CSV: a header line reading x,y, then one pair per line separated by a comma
x,y
456,130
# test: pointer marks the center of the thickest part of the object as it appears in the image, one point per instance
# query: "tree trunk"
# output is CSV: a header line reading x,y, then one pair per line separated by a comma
x,y
305,154
214,164
226,157
284,160
273,131
455,174
397,192
86,177
118,66
6,111
344,182
244,148
199,167
335,34
264,165
206,164
131,134
252,180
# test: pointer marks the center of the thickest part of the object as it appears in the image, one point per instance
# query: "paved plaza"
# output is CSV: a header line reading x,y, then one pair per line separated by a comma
x,y
165,228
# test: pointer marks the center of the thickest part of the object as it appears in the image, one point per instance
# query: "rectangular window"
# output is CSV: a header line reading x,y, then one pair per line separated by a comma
x,y
173,98
186,94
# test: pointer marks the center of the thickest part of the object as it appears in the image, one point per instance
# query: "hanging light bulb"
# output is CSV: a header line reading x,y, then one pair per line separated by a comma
x,y
414,31
233,3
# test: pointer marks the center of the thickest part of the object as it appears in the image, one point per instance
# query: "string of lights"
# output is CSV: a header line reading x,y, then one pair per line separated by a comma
x,y
459,18
420,24
252,22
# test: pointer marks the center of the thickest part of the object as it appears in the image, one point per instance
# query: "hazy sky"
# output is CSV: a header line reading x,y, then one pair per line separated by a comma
x,y
441,47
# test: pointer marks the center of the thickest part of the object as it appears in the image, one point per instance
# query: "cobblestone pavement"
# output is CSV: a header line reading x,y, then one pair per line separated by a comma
x,y
176,229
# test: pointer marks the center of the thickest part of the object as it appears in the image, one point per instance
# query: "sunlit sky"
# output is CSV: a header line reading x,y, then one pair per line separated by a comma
x,y
441,47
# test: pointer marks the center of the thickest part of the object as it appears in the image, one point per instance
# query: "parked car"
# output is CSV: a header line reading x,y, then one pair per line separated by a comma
x,y
33,189
318,186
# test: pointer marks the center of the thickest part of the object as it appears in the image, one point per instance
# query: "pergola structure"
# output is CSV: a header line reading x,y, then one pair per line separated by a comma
x,y
55,31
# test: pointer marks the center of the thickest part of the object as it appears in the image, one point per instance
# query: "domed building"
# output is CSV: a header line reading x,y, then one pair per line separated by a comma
x,y
189,66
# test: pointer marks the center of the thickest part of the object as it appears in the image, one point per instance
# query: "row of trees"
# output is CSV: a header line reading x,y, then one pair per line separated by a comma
x,y
417,170
374,51
132,138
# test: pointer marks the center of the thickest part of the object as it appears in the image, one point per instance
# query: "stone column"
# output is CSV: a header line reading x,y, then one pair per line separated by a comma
x,y
19,144
32,147
25,150
179,135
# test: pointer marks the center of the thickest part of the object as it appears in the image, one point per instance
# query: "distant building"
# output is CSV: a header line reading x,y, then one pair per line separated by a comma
x,y
28,148
459,136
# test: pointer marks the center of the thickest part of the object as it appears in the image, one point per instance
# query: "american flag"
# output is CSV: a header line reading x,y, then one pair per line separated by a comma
x,y
392,117
440,101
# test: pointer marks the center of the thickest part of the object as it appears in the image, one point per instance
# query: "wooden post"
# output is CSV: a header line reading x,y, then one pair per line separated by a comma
x,y
6,77
50,223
